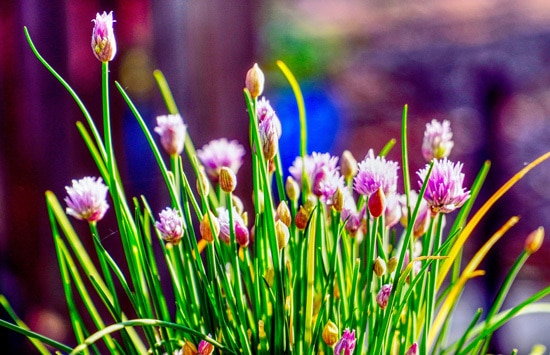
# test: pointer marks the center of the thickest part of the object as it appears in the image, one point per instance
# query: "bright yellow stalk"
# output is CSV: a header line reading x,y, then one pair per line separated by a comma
x,y
468,273
466,232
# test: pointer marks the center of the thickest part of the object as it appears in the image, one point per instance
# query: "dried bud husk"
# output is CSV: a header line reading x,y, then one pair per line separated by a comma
x,y
330,333
209,227
255,80
302,217
379,267
348,165
534,240
283,213
282,233
377,203
292,189
392,264
228,179
338,200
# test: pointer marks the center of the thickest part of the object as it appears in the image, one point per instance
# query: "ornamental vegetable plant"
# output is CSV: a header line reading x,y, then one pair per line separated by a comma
x,y
339,257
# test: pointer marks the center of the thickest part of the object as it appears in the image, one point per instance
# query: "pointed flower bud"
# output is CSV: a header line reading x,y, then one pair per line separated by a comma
x,y
338,199
242,235
292,189
283,213
330,333
346,343
348,165
255,81
379,267
413,350
377,203
384,295
228,179
209,227
86,199
103,37
534,240
172,133
205,348
282,233
170,225
203,185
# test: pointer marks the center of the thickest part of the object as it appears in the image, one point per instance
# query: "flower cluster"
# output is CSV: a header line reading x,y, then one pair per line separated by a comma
x,y
86,199
221,153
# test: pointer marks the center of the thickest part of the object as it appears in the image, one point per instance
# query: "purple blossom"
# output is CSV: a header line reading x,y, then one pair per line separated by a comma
x,y
346,343
172,132
317,166
219,153
437,141
242,236
375,172
413,350
103,37
384,295
170,225
86,199
444,192
269,127
329,184
205,348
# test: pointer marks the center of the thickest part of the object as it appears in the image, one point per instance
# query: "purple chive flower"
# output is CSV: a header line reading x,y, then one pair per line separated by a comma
x,y
242,236
103,37
375,172
317,166
86,199
346,343
219,153
329,184
437,141
172,132
205,348
269,127
384,295
444,192
170,225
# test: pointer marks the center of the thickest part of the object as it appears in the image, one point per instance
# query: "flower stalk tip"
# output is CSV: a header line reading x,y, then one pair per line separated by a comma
x,y
534,240
103,37
172,133
255,80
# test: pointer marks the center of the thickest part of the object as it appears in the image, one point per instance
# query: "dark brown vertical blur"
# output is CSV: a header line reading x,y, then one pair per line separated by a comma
x,y
203,48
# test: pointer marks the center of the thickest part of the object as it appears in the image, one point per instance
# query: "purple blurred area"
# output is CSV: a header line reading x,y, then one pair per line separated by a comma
x,y
484,65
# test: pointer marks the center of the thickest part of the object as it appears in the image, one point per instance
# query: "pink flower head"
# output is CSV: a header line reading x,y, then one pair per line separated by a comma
x,y
346,343
172,132
317,166
331,181
384,295
170,225
376,172
242,236
86,199
437,141
103,37
205,348
269,127
219,153
444,192
413,350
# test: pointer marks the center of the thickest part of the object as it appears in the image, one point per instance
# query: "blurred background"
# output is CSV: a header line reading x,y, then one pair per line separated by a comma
x,y
482,64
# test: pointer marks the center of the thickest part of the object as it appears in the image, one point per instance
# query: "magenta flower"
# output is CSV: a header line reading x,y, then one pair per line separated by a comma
x,y
219,153
86,199
242,236
384,295
205,348
444,192
103,37
375,172
172,133
269,127
413,350
437,141
318,167
170,225
331,181
346,343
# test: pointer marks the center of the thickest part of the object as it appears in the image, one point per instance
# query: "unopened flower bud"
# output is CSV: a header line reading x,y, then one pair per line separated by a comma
x,y
228,179
534,240
348,165
103,37
282,233
172,133
330,333
384,295
188,348
392,264
413,350
283,213
205,348
209,227
379,267
302,217
422,223
338,199
292,189
255,81
377,203
203,185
